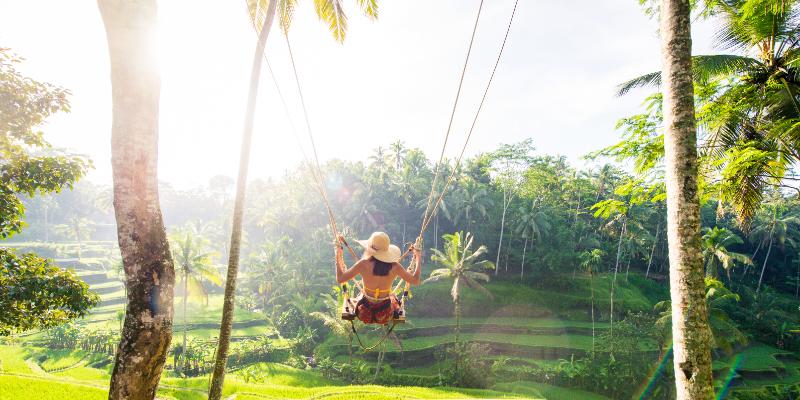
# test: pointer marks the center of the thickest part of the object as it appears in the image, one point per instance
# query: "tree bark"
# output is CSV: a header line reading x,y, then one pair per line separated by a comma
x,y
221,357
149,273
692,339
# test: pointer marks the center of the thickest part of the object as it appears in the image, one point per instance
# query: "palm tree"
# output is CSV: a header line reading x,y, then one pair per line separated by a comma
x,y
149,273
472,200
78,229
775,225
726,333
262,13
399,151
378,159
460,264
589,261
691,335
194,265
331,318
715,251
532,223
753,109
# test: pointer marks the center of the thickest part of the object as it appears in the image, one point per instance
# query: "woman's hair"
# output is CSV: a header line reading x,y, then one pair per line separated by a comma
x,y
380,268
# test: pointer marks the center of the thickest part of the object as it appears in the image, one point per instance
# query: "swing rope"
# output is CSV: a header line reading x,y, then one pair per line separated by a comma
x,y
431,207
374,346
429,217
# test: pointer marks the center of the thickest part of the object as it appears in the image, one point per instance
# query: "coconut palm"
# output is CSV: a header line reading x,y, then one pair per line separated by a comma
x,y
715,251
262,13
461,265
78,229
471,200
532,223
751,116
692,338
726,333
379,160
193,264
399,152
775,225
589,261
331,318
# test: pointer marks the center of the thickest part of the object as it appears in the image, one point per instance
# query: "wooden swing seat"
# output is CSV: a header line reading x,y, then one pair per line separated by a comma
x,y
349,312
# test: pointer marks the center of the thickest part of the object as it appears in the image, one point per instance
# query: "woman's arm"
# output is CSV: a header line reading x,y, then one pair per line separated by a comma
x,y
343,275
407,276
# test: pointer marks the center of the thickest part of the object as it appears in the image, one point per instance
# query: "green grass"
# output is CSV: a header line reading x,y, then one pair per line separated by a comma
x,y
548,392
12,360
23,388
85,374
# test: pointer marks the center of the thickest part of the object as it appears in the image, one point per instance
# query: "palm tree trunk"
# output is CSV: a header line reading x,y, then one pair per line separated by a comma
x,y
753,257
185,298
591,290
436,231
78,238
502,229
616,269
522,265
149,273
692,339
46,224
653,250
457,313
221,357
764,266
797,280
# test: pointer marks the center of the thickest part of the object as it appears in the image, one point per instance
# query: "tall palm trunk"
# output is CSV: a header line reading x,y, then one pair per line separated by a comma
x,y
522,265
221,357
766,258
506,203
457,312
692,339
149,273
185,301
653,250
616,269
591,290
77,228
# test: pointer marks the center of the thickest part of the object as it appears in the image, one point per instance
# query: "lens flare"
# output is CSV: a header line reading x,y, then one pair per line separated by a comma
x,y
650,384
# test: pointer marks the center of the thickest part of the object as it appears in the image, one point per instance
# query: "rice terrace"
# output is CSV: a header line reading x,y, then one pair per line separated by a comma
x,y
364,199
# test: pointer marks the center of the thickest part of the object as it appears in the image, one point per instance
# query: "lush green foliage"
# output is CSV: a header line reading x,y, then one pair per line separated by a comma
x,y
36,294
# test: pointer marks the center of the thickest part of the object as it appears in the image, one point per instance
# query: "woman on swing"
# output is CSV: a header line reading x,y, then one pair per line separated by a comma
x,y
378,267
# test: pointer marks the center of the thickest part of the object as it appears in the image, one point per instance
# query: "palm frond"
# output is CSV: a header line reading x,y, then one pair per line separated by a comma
x,y
258,10
332,12
369,7
652,79
286,14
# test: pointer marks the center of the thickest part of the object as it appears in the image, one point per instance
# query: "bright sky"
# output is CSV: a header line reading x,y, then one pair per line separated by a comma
x,y
392,78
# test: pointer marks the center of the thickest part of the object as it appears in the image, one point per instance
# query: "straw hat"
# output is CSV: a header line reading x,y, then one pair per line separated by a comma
x,y
379,246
